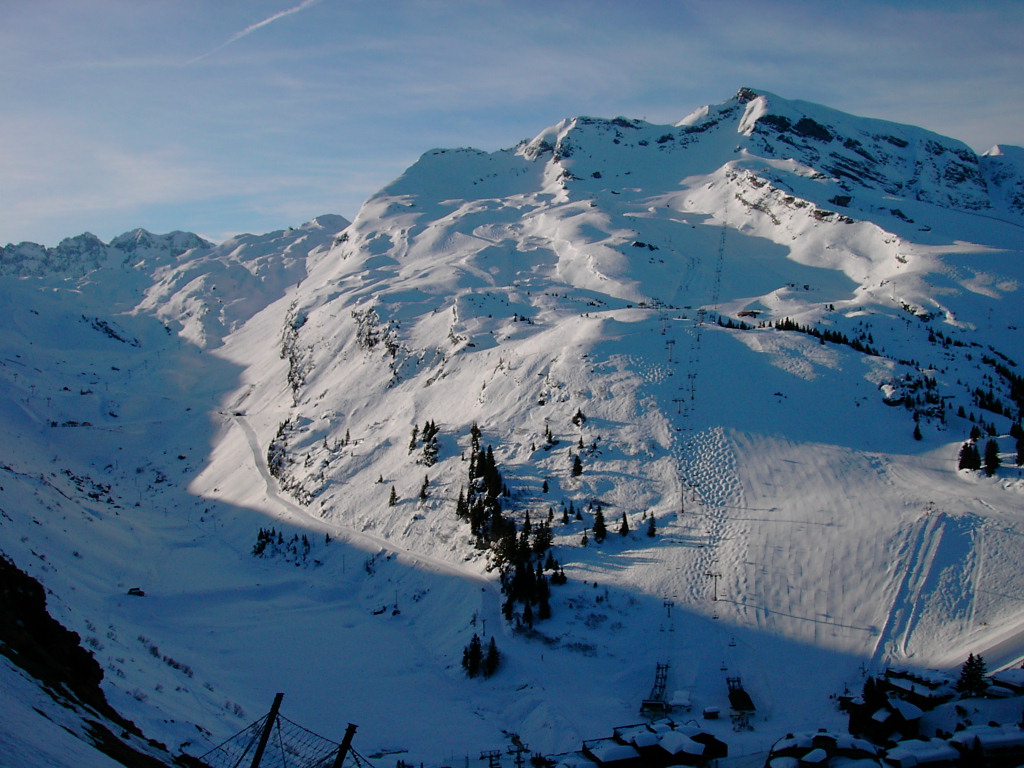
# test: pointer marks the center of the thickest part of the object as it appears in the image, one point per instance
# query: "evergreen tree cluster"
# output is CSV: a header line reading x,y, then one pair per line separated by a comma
x,y
836,337
480,501
279,464
427,437
1014,382
523,554
550,441
277,451
970,458
987,400
475,661
736,325
972,680
523,557
271,543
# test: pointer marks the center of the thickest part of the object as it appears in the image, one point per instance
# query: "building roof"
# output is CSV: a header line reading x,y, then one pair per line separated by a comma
x,y
991,737
676,743
1013,678
610,751
916,752
905,709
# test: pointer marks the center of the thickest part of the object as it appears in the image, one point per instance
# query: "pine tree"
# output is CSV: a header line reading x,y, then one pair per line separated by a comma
x,y
544,606
873,695
991,457
624,528
651,531
542,539
423,488
430,449
972,676
969,457
577,466
491,659
600,531
917,432
393,498
472,655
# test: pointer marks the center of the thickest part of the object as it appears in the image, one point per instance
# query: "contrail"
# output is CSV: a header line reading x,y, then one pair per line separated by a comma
x,y
253,27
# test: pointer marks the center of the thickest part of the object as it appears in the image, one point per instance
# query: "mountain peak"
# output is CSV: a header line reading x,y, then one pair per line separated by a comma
x,y
743,95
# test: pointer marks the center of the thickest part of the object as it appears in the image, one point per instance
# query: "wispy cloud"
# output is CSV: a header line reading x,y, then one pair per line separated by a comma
x,y
258,25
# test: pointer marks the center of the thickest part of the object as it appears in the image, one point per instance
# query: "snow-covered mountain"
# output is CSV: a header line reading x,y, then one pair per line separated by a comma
x,y
762,334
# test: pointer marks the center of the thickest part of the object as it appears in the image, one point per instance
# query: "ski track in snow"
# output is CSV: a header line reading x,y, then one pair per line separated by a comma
x,y
915,561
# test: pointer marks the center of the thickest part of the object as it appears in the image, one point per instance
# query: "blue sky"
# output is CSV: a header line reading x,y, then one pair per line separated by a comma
x,y
226,116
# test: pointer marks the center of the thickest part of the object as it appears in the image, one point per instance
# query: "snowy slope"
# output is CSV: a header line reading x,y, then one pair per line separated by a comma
x,y
630,272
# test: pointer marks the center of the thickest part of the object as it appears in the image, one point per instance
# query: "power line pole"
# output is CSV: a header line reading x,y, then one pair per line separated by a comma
x,y
715,576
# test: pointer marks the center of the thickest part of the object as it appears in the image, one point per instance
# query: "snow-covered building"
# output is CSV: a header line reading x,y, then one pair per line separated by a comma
x,y
612,753
1010,678
931,753
821,749
657,744
926,688
994,745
